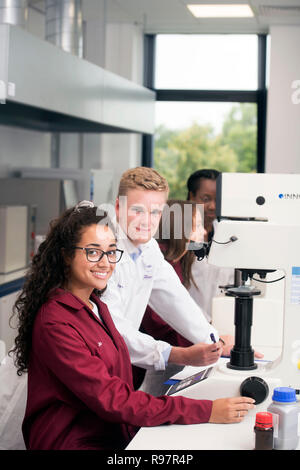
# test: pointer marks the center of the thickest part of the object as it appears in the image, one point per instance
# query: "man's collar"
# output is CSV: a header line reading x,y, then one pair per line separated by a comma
x,y
130,247
125,243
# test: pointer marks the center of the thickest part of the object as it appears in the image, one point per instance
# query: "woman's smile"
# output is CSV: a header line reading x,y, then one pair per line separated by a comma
x,y
100,274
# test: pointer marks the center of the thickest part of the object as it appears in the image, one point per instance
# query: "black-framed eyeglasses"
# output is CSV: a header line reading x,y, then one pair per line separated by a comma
x,y
95,254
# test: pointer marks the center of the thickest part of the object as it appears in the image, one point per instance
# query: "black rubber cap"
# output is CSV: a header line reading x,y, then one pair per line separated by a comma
x,y
256,388
260,200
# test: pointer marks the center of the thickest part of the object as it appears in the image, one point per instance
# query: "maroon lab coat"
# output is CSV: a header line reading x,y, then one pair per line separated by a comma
x,y
80,392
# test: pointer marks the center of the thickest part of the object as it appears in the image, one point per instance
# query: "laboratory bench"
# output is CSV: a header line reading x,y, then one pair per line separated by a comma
x,y
204,436
11,282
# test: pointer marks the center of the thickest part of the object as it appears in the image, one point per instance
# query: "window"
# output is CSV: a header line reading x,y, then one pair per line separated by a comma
x,y
206,62
211,105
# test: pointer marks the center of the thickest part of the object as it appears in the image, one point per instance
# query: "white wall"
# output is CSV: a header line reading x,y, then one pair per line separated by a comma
x,y
20,147
283,116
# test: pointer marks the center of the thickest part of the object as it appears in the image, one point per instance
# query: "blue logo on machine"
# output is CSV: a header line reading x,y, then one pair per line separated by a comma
x,y
289,196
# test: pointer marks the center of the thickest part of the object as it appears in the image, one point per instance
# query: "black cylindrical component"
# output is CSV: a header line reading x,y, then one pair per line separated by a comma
x,y
237,278
242,354
256,388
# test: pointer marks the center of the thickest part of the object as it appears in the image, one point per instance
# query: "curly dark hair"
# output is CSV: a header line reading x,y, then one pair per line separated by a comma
x,y
49,271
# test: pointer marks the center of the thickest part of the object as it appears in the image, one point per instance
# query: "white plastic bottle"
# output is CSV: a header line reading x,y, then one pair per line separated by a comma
x,y
285,410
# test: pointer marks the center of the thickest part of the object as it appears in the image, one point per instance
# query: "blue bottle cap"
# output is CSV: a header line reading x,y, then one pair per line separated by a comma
x,y
284,394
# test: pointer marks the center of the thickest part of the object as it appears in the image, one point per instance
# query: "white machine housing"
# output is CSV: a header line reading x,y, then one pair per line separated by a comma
x,y
237,195
269,240
262,212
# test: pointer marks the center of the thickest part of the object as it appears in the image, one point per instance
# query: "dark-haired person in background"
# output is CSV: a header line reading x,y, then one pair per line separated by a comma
x,y
201,187
175,252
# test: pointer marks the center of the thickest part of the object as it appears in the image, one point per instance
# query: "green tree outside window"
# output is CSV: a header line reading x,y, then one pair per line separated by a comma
x,y
178,153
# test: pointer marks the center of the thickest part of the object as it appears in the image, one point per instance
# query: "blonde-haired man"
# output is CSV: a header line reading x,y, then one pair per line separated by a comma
x,y
143,277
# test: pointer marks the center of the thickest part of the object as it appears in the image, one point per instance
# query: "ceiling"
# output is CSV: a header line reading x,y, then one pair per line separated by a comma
x,y
172,16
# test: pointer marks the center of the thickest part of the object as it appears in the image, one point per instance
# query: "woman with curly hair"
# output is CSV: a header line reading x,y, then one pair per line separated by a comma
x,y
80,391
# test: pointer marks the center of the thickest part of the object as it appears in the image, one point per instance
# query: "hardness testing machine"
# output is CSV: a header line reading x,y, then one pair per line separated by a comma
x,y
258,233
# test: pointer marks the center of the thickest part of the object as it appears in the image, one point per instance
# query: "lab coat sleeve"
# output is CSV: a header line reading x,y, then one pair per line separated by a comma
x,y
173,303
63,350
153,325
144,350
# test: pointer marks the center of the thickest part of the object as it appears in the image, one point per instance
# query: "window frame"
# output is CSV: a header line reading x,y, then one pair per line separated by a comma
x,y
258,96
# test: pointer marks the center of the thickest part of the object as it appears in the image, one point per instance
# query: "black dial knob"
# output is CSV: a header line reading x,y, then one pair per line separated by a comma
x,y
256,388
260,200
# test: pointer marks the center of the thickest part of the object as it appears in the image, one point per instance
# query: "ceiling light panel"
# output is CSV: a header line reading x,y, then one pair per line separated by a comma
x,y
221,11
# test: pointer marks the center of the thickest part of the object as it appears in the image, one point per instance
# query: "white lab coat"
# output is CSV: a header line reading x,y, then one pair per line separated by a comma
x,y
208,278
151,280
13,395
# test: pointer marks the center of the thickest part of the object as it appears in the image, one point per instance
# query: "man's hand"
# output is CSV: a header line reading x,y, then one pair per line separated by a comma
x,y
199,354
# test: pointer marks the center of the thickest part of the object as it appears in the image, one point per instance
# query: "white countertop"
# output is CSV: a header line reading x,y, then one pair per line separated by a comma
x,y
205,436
